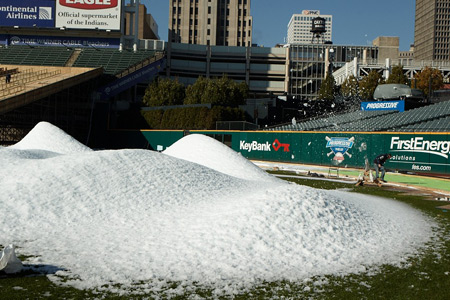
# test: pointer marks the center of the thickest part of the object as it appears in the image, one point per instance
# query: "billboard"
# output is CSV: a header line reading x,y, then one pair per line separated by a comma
x,y
88,14
411,152
398,105
421,152
27,13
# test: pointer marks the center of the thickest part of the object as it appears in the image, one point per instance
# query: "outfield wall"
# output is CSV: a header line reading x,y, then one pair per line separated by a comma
x,y
414,152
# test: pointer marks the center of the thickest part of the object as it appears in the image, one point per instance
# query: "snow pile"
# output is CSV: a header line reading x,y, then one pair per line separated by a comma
x,y
45,136
203,150
141,220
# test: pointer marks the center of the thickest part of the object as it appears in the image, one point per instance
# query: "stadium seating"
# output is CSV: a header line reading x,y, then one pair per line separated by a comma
x,y
435,117
437,125
332,123
112,60
38,56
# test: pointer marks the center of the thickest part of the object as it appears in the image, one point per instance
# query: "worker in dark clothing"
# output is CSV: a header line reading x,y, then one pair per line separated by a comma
x,y
378,163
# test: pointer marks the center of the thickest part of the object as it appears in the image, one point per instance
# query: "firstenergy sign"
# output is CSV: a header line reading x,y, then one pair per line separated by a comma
x,y
265,147
419,145
88,14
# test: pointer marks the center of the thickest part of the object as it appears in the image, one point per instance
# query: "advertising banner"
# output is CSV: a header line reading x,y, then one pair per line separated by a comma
x,y
79,42
420,152
398,105
27,13
415,153
89,14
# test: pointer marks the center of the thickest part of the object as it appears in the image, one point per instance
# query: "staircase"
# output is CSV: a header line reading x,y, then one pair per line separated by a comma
x,y
73,58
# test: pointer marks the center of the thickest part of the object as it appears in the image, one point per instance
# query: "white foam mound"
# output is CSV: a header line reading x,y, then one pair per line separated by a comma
x,y
211,153
45,136
141,220
9,263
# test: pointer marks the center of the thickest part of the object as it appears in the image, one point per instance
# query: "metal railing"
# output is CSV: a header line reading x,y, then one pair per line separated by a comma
x,y
19,80
140,65
235,125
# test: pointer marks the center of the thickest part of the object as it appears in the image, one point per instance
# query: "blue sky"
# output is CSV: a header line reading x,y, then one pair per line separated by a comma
x,y
355,22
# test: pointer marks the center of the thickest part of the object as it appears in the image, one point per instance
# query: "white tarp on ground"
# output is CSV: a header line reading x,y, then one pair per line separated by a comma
x,y
9,263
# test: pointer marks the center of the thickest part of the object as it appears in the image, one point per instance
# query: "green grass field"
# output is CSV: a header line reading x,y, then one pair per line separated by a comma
x,y
423,277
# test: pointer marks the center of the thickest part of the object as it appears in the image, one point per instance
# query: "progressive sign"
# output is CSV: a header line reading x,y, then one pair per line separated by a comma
x,y
398,105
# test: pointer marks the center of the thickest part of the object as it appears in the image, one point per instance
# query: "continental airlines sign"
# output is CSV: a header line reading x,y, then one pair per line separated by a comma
x,y
27,13
419,145
88,14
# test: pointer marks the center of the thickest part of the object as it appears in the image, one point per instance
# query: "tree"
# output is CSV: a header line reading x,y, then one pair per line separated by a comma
x,y
369,83
328,88
163,92
350,88
242,92
397,75
195,91
429,77
225,92
218,91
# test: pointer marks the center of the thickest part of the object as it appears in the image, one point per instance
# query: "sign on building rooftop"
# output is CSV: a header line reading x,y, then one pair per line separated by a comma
x,y
88,14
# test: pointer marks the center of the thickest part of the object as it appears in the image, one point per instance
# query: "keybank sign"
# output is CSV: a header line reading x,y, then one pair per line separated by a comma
x,y
265,147
27,13
418,144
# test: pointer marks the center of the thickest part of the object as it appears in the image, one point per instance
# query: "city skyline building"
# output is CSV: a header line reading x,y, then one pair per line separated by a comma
x,y
300,25
432,30
210,22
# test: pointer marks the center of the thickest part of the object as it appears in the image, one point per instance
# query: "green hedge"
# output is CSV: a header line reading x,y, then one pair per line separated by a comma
x,y
191,117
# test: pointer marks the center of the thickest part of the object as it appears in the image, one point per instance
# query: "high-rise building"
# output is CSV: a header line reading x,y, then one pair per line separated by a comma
x,y
210,22
147,26
300,25
432,30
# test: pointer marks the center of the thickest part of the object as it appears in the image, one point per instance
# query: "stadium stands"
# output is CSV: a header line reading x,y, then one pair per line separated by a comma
x,y
38,56
332,123
438,125
113,61
435,117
